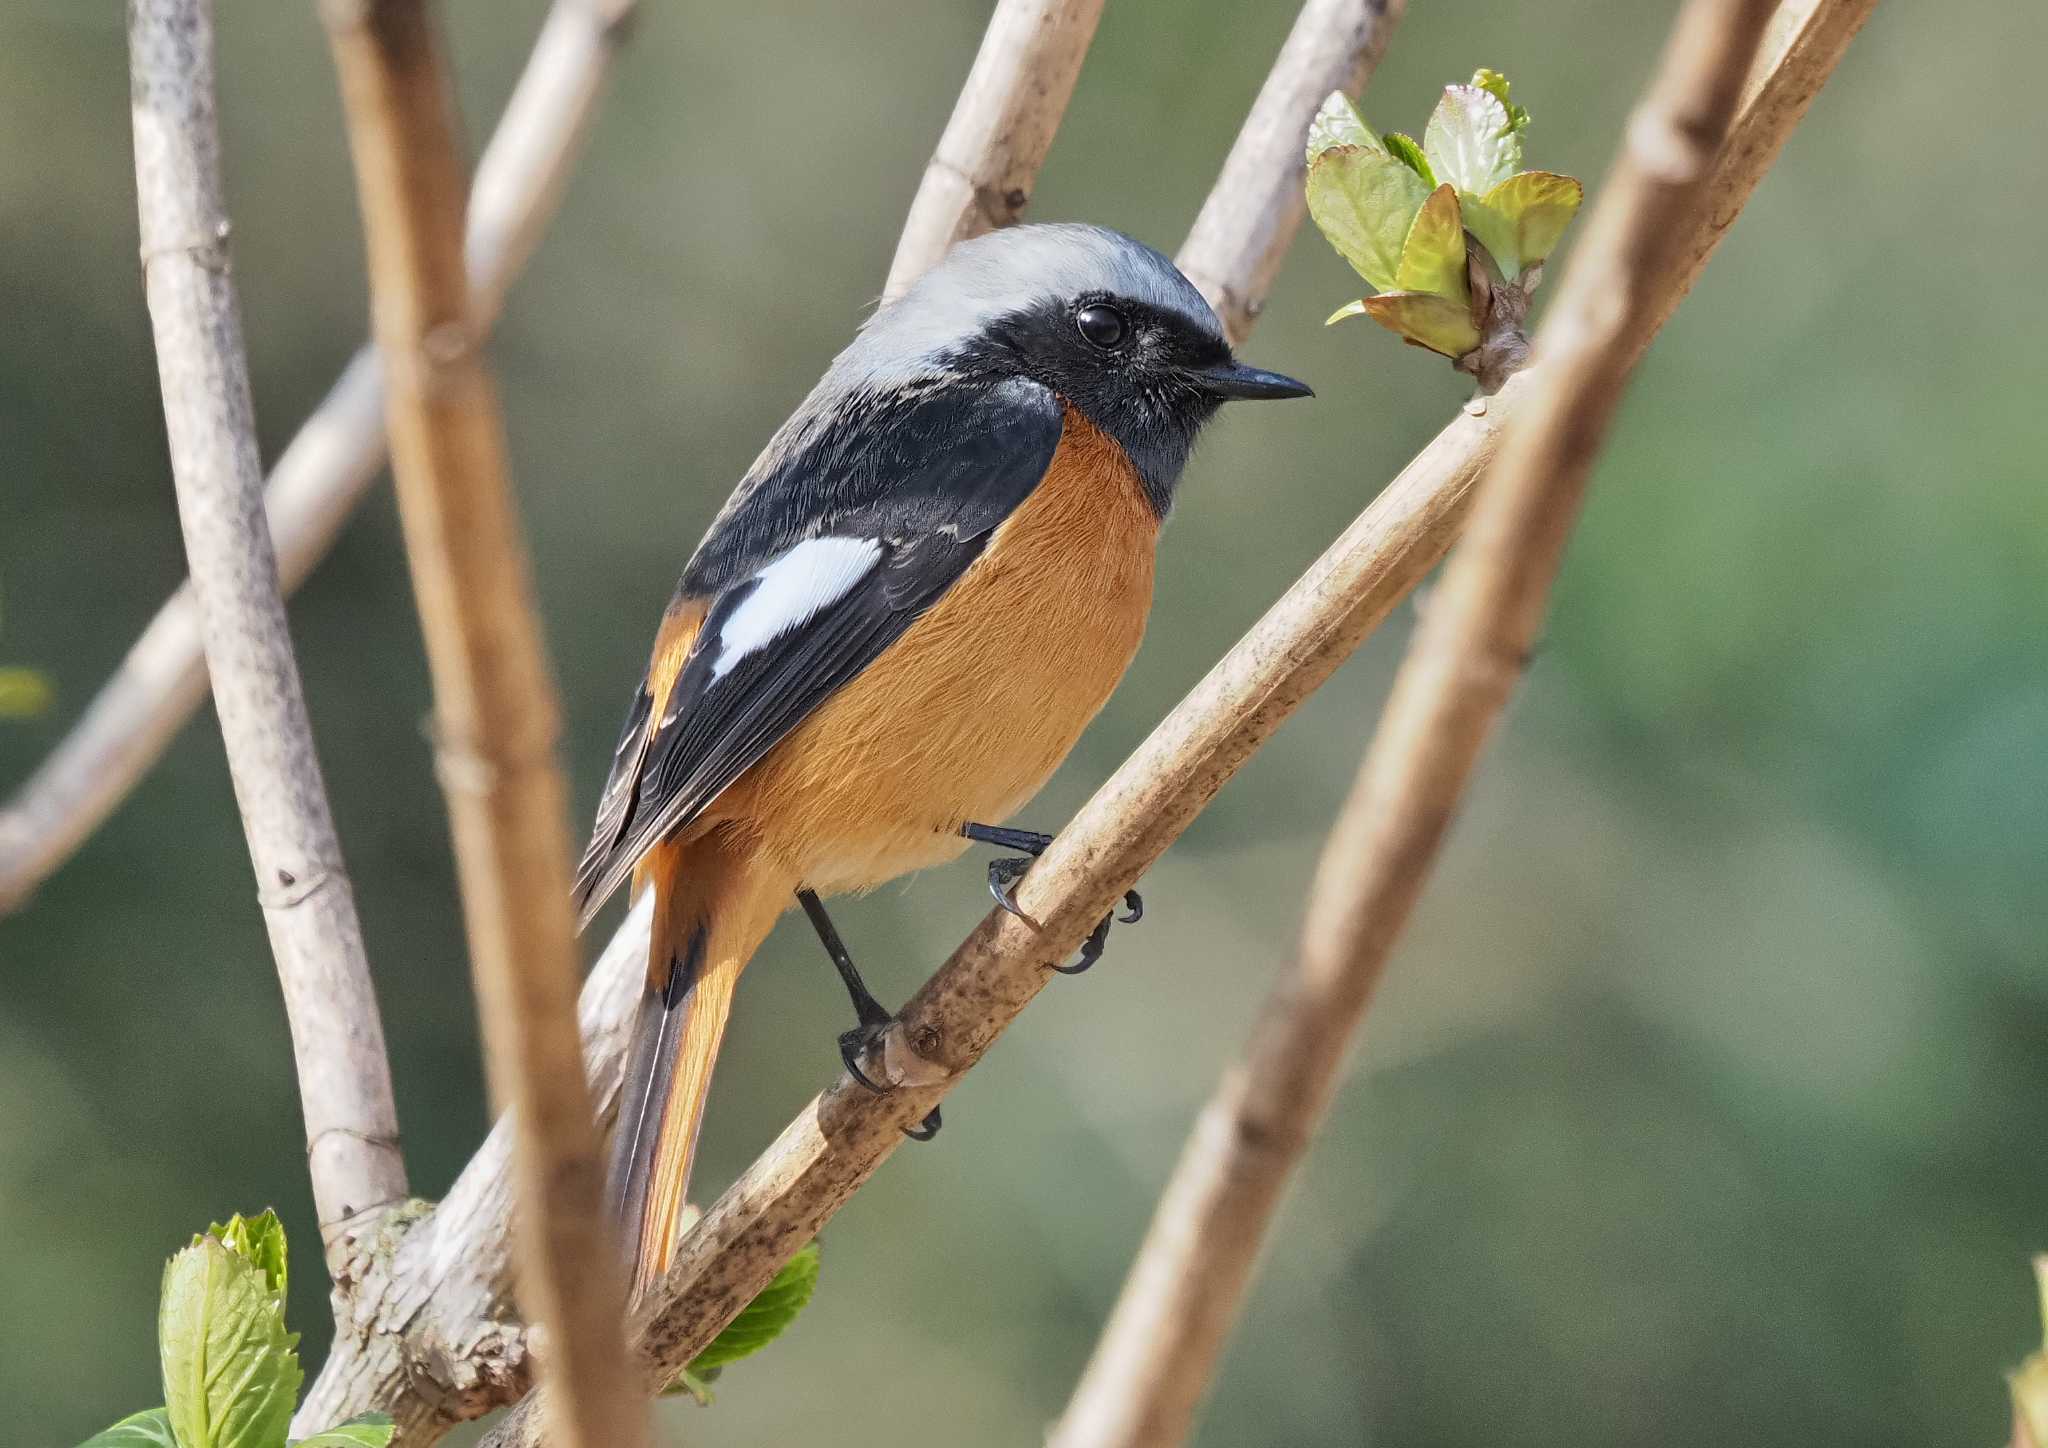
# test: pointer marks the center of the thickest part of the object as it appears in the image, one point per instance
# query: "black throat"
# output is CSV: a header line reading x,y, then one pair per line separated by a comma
x,y
1143,398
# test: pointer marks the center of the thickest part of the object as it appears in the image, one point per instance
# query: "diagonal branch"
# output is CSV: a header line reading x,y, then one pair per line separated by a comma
x,y
1156,1358
1010,106
308,906
329,466
495,714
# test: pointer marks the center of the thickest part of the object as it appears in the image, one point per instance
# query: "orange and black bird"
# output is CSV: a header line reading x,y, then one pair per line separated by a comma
x,y
922,591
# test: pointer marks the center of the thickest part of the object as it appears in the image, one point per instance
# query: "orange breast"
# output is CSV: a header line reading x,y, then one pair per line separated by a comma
x,y
976,705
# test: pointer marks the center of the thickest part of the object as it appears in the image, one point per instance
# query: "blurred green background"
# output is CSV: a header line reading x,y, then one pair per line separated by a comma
x,y
1705,1100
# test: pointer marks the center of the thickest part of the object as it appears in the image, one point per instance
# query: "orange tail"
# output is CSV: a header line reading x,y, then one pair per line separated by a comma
x,y
706,926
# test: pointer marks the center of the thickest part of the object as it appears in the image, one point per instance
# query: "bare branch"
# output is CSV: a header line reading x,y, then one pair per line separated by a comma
x,y
308,906
1253,211
496,717
987,161
329,466
1158,1354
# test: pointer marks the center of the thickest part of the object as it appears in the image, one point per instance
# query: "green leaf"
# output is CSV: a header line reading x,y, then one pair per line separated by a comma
x,y
1338,123
148,1429
371,1430
767,1317
1470,141
23,692
1404,148
1537,206
1349,309
1495,232
1365,201
260,1242
1496,85
1433,257
230,1370
1428,321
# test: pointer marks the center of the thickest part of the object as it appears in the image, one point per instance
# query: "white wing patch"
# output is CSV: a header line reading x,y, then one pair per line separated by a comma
x,y
791,591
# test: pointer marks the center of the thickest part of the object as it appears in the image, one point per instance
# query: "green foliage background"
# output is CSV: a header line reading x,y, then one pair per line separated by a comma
x,y
1706,1099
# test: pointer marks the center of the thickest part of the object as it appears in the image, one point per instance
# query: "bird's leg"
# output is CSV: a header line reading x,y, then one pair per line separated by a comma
x,y
1006,871
873,1017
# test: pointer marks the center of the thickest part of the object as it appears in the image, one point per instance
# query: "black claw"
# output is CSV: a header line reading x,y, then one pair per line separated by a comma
x,y
926,1129
853,1045
1091,948
1134,903
1004,873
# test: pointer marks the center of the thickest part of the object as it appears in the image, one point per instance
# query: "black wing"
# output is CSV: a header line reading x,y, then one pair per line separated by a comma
x,y
926,480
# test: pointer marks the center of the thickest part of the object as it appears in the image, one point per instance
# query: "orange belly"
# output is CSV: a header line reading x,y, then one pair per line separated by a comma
x,y
969,713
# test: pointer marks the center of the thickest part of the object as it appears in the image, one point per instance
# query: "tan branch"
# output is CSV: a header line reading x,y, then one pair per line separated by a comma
x,y
329,466
309,909
1157,1356
496,718
987,160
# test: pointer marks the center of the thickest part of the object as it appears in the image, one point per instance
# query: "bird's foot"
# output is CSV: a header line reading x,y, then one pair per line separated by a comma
x,y
1006,871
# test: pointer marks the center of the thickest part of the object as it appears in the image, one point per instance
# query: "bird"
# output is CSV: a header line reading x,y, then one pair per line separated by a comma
x,y
915,600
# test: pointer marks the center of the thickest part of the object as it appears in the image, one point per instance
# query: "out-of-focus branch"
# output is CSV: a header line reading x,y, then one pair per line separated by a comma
x,y
1245,227
987,161
1159,1353
337,1039
328,467
496,718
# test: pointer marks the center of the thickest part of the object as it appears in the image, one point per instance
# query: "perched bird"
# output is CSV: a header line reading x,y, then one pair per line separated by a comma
x,y
919,595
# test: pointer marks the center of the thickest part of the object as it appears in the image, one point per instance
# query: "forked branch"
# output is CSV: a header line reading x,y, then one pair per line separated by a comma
x,y
352,1147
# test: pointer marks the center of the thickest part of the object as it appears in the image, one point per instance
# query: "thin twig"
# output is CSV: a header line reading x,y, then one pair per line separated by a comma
x,y
1159,1353
1237,243
352,1149
987,160
496,718
823,1157
329,466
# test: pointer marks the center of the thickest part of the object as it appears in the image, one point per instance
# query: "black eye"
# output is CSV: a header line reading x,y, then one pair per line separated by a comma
x,y
1101,325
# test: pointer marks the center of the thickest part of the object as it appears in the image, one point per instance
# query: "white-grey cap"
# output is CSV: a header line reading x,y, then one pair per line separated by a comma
x,y
989,276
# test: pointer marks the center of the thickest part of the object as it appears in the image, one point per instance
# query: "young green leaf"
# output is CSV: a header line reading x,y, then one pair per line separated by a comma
x,y
1428,321
1349,309
1433,257
259,1241
148,1429
1495,232
371,1430
231,1373
1338,123
1470,142
1365,201
767,1317
1538,206
1403,148
1496,85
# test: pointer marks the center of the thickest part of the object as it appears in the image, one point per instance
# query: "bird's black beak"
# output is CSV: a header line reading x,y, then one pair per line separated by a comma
x,y
1234,381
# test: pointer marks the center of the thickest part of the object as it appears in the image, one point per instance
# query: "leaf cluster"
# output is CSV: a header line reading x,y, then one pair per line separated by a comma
x,y
1418,220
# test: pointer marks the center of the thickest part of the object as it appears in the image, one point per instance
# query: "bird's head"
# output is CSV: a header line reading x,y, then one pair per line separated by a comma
x,y
1106,322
